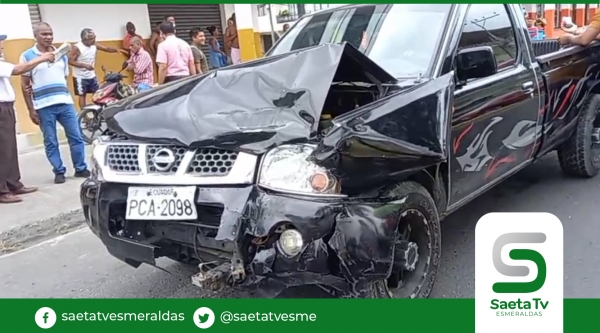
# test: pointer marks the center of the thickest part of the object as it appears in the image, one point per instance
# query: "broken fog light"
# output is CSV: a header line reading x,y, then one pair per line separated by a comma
x,y
287,169
290,242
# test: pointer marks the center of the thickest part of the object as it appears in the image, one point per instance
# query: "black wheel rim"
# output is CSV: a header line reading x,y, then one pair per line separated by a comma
x,y
91,126
412,255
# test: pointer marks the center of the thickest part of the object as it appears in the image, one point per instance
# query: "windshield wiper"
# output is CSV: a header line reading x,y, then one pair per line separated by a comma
x,y
419,78
414,79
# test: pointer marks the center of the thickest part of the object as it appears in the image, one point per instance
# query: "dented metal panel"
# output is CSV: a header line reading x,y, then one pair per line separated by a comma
x,y
400,133
249,107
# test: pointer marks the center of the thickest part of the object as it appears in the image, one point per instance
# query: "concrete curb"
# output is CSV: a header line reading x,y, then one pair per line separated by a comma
x,y
35,141
38,231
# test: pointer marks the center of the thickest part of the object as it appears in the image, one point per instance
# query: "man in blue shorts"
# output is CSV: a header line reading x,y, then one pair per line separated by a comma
x,y
83,59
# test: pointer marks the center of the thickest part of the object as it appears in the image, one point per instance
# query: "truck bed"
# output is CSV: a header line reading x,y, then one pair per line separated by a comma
x,y
543,47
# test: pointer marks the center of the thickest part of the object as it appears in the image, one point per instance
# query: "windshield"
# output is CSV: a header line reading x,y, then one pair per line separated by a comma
x,y
400,38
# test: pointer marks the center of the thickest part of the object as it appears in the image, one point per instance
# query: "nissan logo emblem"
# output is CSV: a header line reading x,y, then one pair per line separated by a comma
x,y
163,159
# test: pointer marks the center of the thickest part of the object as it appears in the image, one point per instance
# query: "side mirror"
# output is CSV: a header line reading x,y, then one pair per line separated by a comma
x,y
475,62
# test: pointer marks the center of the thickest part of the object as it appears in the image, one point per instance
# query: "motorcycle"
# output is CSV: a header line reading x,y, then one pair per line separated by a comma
x,y
111,90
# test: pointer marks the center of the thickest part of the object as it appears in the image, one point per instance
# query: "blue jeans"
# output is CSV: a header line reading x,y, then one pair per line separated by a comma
x,y
143,87
65,115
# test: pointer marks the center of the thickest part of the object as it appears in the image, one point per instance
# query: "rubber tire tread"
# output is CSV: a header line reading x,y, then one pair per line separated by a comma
x,y
416,196
575,155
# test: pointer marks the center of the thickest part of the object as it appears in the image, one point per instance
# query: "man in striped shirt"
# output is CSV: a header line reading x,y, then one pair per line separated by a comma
x,y
140,63
51,102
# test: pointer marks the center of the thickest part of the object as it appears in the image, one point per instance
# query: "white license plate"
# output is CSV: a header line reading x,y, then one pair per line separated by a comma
x,y
161,203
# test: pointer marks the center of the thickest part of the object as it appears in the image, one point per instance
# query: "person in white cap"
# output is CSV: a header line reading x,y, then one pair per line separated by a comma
x,y
10,175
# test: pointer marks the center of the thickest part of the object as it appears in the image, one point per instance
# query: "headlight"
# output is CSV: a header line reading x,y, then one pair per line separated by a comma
x,y
287,169
290,242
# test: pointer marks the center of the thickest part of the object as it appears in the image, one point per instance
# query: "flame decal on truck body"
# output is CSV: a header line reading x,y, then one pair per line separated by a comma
x,y
477,154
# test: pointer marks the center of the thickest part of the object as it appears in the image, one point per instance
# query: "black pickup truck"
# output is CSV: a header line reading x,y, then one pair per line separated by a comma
x,y
332,161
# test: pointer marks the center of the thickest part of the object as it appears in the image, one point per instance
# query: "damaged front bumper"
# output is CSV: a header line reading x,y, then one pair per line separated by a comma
x,y
345,243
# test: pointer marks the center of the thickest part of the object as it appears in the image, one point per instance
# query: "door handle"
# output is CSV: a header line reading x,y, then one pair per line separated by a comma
x,y
527,87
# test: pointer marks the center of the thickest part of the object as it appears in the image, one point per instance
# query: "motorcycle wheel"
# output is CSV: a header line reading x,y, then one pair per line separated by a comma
x,y
91,125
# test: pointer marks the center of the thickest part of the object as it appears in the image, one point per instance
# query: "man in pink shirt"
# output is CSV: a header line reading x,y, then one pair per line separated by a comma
x,y
174,56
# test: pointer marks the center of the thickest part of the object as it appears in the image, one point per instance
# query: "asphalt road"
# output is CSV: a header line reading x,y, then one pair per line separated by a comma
x,y
77,265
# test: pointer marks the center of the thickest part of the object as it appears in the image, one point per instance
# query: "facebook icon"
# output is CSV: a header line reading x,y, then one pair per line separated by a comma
x,y
45,317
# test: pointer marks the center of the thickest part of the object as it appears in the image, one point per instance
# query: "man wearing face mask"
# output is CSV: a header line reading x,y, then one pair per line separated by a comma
x,y
10,175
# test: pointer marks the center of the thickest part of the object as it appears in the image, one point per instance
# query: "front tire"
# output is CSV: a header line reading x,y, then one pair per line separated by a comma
x,y
90,125
418,214
580,155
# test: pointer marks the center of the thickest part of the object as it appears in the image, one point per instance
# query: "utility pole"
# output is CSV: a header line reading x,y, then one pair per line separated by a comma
x,y
273,40
300,10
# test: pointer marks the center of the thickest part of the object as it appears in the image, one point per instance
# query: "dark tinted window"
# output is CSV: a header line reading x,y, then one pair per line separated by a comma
x,y
490,25
358,24
312,34
400,38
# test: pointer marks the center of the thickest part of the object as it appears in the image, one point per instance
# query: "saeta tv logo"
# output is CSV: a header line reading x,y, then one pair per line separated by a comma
x,y
518,272
519,254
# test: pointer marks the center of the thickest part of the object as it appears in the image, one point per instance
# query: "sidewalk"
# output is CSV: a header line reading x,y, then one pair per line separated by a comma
x,y
51,200
34,141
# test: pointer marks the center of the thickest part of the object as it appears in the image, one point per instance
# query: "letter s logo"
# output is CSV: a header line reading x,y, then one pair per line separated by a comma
x,y
519,254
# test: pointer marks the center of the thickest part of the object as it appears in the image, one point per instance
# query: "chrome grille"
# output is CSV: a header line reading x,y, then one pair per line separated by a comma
x,y
123,158
151,150
198,163
127,162
212,162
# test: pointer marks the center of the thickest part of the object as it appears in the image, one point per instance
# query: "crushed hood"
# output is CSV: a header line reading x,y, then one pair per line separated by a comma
x,y
392,137
251,107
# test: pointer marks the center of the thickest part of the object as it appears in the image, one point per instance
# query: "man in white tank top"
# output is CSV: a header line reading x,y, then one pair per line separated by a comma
x,y
83,60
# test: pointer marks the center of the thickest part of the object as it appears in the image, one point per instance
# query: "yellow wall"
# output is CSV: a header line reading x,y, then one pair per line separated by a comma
x,y
258,45
14,48
247,44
